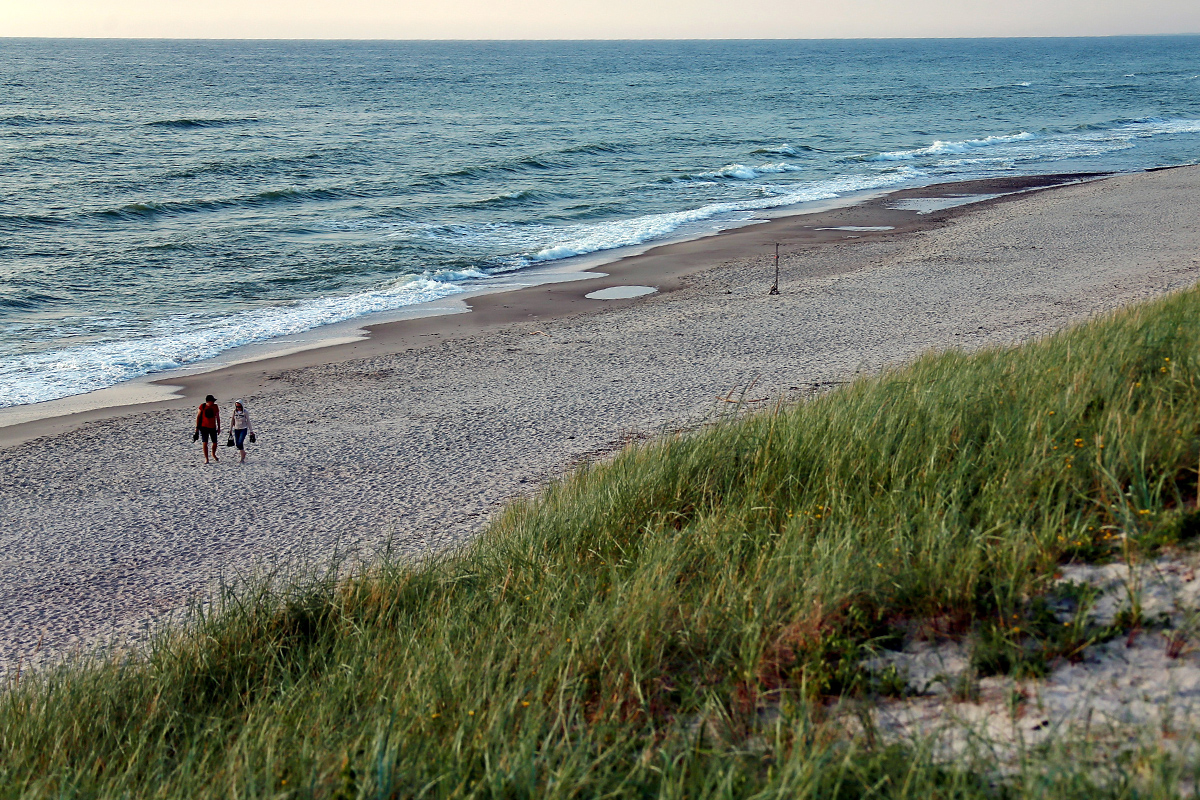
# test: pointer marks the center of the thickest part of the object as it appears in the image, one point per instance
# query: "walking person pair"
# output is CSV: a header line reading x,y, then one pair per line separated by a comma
x,y
208,428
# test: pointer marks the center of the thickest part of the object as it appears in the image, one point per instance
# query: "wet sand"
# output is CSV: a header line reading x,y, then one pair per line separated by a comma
x,y
418,433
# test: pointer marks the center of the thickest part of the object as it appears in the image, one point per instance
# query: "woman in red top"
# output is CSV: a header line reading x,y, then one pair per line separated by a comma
x,y
208,426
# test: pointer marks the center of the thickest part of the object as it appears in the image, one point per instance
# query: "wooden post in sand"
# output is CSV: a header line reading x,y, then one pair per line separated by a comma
x,y
775,285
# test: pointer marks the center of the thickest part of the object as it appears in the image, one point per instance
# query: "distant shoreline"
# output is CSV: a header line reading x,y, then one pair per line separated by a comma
x,y
548,296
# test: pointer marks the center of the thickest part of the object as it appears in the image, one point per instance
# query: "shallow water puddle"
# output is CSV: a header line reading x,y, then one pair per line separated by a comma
x,y
927,205
859,228
620,292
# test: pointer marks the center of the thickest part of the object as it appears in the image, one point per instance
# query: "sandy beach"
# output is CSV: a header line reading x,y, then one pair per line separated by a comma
x,y
418,433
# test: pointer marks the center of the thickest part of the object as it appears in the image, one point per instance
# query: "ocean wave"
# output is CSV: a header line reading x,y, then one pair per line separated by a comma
x,y
459,275
1095,126
187,123
1042,151
737,172
1084,140
536,162
30,220
939,147
36,120
175,247
1003,86
515,198
786,150
585,239
478,171
1159,126
28,301
1132,126
586,211
287,195
744,173
522,244
1057,152
593,148
182,340
242,167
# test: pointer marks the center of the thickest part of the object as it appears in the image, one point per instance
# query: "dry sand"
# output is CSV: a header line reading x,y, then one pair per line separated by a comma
x,y
417,434
1135,693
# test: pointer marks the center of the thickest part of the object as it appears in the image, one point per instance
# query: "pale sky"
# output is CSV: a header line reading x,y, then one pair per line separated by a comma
x,y
592,19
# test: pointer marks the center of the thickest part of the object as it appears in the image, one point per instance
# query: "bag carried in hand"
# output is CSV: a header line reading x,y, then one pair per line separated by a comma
x,y
229,441
252,438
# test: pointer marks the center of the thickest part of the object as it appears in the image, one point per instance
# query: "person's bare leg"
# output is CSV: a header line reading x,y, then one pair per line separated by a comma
x,y
215,447
205,451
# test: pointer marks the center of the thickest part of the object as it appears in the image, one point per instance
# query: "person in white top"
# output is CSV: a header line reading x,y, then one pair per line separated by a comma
x,y
240,427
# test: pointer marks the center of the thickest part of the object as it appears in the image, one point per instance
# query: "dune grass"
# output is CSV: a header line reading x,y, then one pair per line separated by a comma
x,y
674,622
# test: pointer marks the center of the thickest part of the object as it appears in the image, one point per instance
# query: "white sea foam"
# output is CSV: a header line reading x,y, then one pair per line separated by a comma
x,y
744,173
998,151
623,233
1155,126
458,274
783,150
939,147
182,340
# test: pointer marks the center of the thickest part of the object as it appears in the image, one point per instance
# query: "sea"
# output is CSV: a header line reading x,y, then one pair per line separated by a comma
x,y
165,201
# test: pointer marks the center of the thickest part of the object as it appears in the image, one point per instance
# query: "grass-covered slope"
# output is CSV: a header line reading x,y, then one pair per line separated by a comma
x,y
674,622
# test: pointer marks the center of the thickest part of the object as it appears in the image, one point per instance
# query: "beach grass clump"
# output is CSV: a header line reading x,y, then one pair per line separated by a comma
x,y
682,620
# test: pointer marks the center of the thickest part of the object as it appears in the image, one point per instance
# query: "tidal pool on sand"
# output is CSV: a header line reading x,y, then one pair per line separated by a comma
x,y
620,292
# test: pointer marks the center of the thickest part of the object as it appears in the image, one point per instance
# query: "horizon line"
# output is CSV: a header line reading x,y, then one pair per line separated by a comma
x,y
598,39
